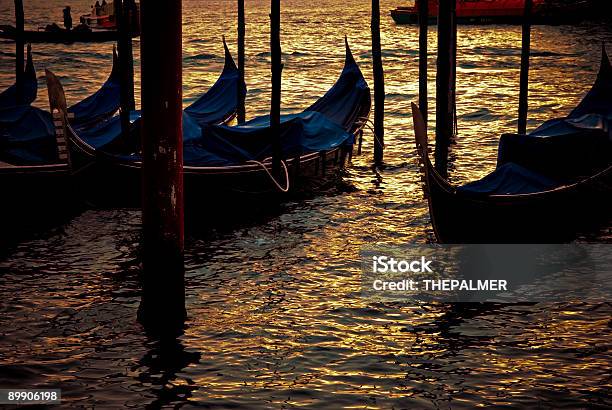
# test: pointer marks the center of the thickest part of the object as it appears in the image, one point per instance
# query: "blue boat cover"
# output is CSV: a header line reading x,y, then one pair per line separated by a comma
x,y
101,104
8,97
304,133
509,179
221,100
215,106
321,127
222,145
27,136
348,99
575,145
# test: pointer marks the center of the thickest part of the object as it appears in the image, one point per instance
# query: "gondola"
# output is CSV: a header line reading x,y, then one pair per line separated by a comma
x,y
27,133
8,97
517,204
237,160
34,164
575,145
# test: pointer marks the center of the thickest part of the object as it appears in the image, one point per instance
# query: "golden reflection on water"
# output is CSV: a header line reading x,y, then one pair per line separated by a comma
x,y
275,311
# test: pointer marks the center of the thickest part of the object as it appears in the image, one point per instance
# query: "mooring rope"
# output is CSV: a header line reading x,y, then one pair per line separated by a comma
x,y
367,122
261,164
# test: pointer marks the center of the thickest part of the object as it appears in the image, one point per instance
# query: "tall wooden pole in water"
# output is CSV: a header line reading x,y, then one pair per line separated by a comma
x,y
163,297
123,19
277,68
379,85
444,84
423,27
19,43
241,97
525,51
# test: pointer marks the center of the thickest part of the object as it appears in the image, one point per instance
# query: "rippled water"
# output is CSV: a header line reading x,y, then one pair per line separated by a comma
x,y
275,314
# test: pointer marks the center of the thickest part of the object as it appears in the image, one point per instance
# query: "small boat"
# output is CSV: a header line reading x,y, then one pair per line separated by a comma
x,y
237,160
63,36
104,17
8,97
517,204
500,12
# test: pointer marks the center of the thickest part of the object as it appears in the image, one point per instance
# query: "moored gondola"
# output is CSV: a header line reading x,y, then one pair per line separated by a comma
x,y
547,186
541,194
512,204
576,145
237,160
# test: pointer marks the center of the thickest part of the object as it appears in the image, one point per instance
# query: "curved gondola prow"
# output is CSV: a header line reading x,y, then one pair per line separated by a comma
x,y
599,98
114,75
605,69
431,179
222,96
230,64
349,59
59,111
102,104
30,73
348,102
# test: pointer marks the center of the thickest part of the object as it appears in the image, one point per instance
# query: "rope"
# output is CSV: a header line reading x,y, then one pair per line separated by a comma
x,y
261,164
367,124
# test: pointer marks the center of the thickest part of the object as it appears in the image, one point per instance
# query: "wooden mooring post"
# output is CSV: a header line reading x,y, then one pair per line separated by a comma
x,y
19,44
123,10
277,68
524,82
445,109
379,86
423,28
163,292
241,114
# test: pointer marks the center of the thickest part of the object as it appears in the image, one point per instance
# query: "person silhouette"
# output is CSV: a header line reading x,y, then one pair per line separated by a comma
x,y
67,18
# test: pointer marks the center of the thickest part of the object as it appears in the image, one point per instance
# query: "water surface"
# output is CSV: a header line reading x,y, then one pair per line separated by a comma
x,y
275,314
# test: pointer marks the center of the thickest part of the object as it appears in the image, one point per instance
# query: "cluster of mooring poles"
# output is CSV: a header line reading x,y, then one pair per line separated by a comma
x,y
446,75
163,298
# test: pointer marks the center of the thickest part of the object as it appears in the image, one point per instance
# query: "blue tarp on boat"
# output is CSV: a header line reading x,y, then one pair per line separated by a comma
x,y
220,101
215,106
208,145
344,103
222,145
300,134
27,136
578,144
509,179
102,104
8,97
